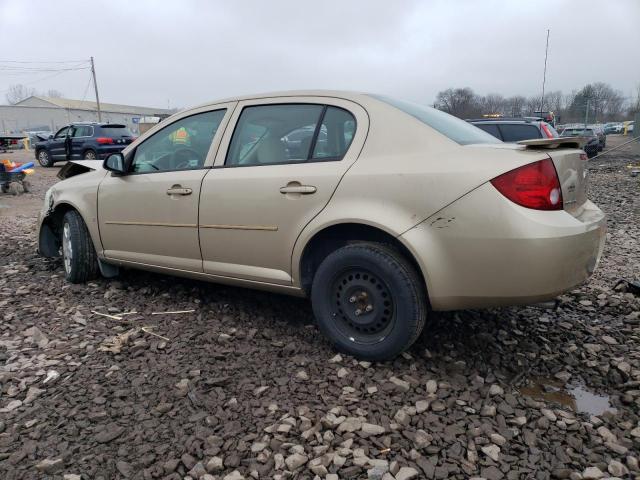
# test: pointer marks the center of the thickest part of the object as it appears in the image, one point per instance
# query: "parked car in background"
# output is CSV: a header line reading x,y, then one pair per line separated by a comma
x,y
613,127
398,210
88,141
513,130
602,136
628,126
592,146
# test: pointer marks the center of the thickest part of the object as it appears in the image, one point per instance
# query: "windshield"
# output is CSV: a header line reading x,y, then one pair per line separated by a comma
x,y
457,130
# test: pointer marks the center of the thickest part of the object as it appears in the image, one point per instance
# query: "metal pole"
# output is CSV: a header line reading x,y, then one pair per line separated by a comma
x,y
544,75
95,86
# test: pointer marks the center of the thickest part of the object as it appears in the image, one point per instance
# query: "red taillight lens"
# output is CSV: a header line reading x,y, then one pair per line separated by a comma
x,y
546,131
535,185
104,140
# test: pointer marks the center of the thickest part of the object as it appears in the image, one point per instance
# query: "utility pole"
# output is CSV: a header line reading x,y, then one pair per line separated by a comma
x,y
95,86
544,75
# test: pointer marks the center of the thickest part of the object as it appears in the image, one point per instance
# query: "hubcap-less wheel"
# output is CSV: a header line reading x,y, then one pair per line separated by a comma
x,y
43,158
363,309
67,249
90,155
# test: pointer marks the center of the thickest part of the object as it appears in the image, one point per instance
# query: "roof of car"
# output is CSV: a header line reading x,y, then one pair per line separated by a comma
x,y
501,120
348,95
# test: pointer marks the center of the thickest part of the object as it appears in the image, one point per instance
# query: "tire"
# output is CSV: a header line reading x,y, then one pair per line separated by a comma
x,y
78,254
44,158
383,287
89,155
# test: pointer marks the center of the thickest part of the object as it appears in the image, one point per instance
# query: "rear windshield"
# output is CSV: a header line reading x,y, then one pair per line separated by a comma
x,y
457,130
116,130
577,132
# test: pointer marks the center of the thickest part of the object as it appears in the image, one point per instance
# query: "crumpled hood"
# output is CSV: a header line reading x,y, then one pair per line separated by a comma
x,y
77,167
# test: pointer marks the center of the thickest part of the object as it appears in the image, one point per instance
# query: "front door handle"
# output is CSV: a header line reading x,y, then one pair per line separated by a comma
x,y
179,190
303,189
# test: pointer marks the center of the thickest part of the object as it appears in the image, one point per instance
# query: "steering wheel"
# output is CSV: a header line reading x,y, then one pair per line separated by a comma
x,y
182,157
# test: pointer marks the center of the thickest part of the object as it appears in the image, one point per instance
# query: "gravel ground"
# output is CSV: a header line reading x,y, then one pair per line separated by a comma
x,y
245,387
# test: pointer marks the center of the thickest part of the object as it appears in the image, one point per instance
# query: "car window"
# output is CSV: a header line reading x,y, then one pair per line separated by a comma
x,y
335,135
83,131
182,145
62,132
116,131
455,129
513,132
490,128
272,134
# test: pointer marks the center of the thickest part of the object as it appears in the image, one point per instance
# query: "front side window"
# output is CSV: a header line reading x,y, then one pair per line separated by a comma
x,y
83,131
62,132
294,133
183,145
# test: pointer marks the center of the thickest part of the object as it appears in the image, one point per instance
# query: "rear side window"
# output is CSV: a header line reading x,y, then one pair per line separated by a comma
x,y
116,131
83,131
490,128
293,133
457,130
516,132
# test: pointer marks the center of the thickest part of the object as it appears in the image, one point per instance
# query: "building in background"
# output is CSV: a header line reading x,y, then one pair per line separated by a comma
x,y
37,113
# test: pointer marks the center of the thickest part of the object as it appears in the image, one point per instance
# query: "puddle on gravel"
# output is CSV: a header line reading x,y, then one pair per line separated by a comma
x,y
577,398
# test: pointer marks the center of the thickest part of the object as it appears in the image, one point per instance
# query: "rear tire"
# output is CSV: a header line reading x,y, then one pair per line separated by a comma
x,y
369,301
89,155
44,158
78,254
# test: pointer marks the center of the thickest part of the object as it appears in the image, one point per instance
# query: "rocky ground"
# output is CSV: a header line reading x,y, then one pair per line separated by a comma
x,y
244,386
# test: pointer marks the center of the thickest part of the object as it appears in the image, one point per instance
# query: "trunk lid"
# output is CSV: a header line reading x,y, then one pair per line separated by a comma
x,y
571,165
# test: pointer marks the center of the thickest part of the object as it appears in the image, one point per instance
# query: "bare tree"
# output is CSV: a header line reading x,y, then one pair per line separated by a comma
x,y
461,102
514,106
18,92
492,103
53,93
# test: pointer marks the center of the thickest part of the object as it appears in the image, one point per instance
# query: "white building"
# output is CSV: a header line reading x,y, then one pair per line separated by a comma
x,y
46,113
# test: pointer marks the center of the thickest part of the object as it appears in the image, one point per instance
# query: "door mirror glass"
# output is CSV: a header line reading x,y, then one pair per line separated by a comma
x,y
114,163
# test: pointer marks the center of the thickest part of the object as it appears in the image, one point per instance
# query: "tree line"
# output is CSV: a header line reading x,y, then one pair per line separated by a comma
x,y
596,102
18,92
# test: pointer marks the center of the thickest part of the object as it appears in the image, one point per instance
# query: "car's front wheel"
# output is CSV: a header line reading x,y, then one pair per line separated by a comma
x,y
44,158
78,254
369,301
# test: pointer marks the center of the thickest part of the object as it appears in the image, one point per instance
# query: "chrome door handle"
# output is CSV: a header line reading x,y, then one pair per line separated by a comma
x,y
178,190
303,189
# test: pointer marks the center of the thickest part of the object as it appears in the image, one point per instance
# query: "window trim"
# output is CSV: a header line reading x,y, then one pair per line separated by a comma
x,y
313,141
132,154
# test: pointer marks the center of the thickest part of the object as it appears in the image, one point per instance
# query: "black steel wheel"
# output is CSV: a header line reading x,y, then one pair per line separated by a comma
x,y
369,301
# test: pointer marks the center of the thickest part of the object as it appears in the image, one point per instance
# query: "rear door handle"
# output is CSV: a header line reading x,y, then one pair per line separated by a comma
x,y
179,190
303,189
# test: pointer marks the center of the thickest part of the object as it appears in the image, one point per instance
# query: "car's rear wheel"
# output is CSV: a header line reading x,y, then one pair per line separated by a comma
x,y
44,158
90,155
78,254
369,301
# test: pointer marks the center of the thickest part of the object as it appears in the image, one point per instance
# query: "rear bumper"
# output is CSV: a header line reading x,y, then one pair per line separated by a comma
x,y
485,251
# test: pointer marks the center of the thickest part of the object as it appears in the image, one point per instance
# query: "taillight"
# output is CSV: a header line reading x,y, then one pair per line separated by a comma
x,y
535,185
104,140
546,131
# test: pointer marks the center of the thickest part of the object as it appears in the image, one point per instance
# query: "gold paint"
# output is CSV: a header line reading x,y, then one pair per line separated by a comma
x,y
242,227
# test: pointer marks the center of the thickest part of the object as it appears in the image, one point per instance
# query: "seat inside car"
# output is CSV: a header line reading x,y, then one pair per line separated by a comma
x,y
271,150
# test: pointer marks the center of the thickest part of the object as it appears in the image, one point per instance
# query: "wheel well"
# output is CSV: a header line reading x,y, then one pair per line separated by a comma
x,y
49,242
337,236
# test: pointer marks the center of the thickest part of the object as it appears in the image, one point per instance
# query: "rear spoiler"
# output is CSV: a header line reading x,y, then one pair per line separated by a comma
x,y
566,142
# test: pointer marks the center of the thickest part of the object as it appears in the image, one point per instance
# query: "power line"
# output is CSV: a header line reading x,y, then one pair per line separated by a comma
x,y
46,61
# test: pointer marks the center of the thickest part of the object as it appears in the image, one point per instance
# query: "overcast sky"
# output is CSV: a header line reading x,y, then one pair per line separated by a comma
x,y
185,52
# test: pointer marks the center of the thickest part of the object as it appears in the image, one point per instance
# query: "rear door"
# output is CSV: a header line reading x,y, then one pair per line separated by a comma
x,y
276,170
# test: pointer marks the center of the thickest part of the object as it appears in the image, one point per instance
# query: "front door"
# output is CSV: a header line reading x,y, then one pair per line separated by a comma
x,y
150,215
282,164
57,145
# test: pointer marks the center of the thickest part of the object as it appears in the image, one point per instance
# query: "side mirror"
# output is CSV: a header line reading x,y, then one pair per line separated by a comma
x,y
114,163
